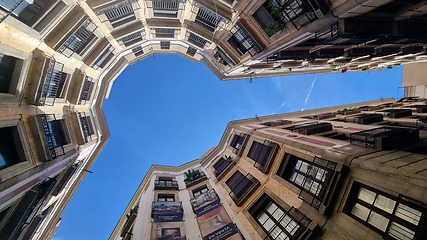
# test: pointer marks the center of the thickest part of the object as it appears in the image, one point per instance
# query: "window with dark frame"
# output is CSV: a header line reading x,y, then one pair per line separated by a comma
x,y
11,149
262,154
393,217
240,186
221,165
242,42
10,70
278,222
165,45
312,178
200,190
28,12
166,197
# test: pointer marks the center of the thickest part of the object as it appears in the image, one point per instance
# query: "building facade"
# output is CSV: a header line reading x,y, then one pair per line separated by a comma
x,y
59,60
356,171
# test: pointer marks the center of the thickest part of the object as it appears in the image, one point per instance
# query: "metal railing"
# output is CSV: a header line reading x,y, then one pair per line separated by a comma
x,y
208,18
86,90
197,40
78,40
10,6
165,184
241,190
52,132
166,5
132,38
53,84
87,127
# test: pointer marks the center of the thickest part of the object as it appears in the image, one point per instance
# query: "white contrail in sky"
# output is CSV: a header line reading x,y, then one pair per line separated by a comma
x,y
309,92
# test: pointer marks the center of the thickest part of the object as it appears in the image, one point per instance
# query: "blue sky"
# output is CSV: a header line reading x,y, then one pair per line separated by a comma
x,y
168,110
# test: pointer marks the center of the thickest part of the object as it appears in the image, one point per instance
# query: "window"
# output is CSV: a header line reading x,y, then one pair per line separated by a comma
x,y
241,186
165,183
87,127
119,14
221,166
262,154
276,221
86,90
10,70
137,51
238,141
166,198
80,40
55,83
196,40
199,191
312,178
365,118
191,51
165,45
207,18
164,32
397,112
132,39
104,58
241,41
56,135
393,217
165,8
11,149
28,11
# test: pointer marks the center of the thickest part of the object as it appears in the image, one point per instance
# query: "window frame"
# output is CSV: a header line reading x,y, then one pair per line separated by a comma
x,y
353,199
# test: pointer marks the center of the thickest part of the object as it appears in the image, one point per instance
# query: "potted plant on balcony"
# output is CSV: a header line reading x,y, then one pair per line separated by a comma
x,y
191,175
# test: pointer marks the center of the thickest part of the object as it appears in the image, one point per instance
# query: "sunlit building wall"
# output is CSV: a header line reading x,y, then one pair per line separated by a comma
x,y
59,60
348,172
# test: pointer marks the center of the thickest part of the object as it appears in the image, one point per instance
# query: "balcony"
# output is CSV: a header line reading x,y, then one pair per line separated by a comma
x,y
80,40
241,187
365,118
133,38
118,14
193,177
65,177
55,135
86,127
86,92
208,18
311,128
238,143
164,8
164,211
419,108
196,40
222,166
385,137
130,220
53,84
397,112
221,58
165,185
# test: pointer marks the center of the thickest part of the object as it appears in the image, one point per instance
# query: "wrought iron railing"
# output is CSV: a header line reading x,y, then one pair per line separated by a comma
x,y
52,132
86,91
79,39
10,6
165,184
87,127
166,5
53,83
132,38
196,40
208,18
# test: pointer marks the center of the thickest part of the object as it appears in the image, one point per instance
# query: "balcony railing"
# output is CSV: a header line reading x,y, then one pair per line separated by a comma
x,y
10,6
199,177
86,91
222,166
87,127
165,185
132,39
385,137
208,18
238,143
53,83
120,13
196,40
79,40
53,132
243,189
129,221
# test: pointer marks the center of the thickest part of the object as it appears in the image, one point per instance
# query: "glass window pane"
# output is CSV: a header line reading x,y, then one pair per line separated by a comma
x,y
384,203
407,213
366,195
278,214
360,211
268,224
271,208
378,221
400,232
262,218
